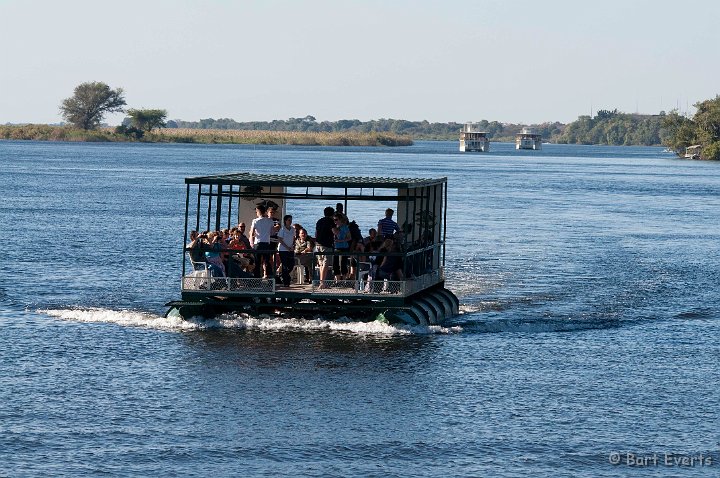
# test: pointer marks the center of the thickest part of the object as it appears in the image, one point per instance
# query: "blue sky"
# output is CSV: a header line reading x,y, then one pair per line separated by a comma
x,y
512,61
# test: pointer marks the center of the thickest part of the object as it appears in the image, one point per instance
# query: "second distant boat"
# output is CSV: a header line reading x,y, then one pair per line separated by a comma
x,y
528,139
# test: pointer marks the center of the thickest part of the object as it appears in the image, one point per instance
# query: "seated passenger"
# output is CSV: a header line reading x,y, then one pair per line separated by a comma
x,y
387,267
237,262
213,255
304,252
242,237
195,247
223,240
372,236
391,267
297,227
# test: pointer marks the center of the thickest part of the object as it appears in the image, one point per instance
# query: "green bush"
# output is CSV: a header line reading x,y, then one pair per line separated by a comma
x,y
130,131
711,151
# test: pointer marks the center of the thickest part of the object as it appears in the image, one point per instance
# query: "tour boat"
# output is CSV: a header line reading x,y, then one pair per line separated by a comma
x,y
528,139
416,295
472,139
693,152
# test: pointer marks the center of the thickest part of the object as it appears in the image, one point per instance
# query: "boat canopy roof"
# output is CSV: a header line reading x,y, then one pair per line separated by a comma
x,y
295,180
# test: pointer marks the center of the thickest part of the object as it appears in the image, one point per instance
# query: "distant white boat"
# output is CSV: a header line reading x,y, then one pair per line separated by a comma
x,y
472,139
693,152
528,139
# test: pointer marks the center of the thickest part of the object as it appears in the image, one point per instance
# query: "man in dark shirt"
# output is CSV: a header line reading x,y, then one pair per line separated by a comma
x,y
195,248
242,237
325,242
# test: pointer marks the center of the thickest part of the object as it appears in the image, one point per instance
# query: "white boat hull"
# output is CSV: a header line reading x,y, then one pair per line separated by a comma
x,y
469,146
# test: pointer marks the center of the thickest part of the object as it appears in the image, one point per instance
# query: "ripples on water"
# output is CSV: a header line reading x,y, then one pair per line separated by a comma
x,y
588,286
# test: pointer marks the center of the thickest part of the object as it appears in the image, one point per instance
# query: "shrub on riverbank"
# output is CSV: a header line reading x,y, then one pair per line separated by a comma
x,y
186,135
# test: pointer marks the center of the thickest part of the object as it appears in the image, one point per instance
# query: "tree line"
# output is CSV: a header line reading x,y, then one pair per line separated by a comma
x,y
416,129
92,100
607,127
611,127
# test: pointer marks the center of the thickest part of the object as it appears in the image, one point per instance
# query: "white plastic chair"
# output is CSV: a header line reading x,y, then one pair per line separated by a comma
x,y
363,272
200,271
299,271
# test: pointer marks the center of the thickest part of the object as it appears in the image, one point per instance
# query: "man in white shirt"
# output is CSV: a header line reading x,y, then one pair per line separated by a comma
x,y
286,248
260,231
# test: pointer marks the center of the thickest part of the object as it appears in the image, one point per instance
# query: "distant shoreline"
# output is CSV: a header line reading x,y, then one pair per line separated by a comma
x,y
38,132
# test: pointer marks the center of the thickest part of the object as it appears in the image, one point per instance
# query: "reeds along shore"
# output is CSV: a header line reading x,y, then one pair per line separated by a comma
x,y
206,136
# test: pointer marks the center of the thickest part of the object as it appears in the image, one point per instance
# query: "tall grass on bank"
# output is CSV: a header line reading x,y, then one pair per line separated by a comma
x,y
207,136
220,136
44,132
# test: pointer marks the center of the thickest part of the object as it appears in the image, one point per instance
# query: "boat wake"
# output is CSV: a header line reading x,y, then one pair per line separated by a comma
x,y
126,318
240,321
496,319
535,326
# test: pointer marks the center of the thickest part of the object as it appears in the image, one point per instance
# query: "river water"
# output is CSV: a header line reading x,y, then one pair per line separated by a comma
x,y
588,281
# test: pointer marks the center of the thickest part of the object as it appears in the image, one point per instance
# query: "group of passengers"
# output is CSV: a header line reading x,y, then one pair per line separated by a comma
x,y
220,251
336,235
277,244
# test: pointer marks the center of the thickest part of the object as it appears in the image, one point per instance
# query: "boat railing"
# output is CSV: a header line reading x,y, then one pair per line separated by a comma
x,y
366,287
370,286
415,259
418,269
228,285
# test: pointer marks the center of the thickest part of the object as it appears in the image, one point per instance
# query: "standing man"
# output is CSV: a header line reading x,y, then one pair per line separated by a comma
x,y
325,242
386,226
272,214
260,231
286,249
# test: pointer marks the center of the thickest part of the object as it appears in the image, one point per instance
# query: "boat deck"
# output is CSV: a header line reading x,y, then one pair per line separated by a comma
x,y
198,285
